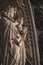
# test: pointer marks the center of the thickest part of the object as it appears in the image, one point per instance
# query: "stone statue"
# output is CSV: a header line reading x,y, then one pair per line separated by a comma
x,y
15,51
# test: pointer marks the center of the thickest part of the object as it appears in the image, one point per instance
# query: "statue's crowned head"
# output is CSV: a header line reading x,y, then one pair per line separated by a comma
x,y
11,6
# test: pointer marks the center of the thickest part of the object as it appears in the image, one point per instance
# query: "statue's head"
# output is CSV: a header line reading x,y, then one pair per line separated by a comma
x,y
10,7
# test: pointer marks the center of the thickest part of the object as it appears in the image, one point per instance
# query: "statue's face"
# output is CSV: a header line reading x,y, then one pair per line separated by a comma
x,y
12,12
